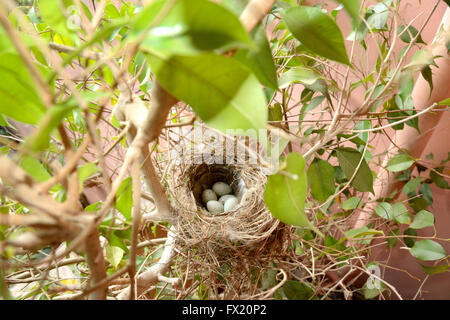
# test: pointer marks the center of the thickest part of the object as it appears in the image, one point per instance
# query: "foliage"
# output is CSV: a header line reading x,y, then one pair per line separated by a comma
x,y
63,70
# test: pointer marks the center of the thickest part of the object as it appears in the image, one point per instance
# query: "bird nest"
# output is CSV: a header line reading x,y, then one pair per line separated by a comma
x,y
222,249
197,168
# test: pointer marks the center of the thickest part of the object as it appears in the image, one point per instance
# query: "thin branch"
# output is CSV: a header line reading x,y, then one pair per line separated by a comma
x,y
254,12
148,278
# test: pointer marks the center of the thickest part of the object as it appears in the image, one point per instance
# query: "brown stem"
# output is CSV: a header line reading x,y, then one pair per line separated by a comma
x,y
254,12
135,228
96,263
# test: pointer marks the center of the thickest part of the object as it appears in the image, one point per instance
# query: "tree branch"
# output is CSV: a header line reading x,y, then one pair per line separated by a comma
x,y
255,12
152,275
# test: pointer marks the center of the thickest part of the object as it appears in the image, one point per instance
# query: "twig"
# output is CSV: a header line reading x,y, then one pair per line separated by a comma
x,y
150,277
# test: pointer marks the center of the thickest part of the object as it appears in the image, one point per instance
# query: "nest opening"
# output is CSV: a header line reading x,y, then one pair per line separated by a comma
x,y
204,176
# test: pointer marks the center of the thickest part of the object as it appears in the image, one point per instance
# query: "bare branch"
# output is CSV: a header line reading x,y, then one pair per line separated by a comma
x,y
255,12
148,278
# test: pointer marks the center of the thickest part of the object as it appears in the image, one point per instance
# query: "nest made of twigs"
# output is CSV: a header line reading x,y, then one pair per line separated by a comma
x,y
240,240
188,176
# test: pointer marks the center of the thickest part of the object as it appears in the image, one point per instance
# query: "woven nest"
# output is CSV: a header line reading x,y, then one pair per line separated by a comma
x,y
251,223
222,249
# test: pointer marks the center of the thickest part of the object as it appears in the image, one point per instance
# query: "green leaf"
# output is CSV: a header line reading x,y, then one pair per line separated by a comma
x,y
93,207
34,168
113,255
111,12
319,86
285,193
275,112
384,210
3,121
427,74
54,14
379,16
39,140
363,232
422,219
86,171
124,198
364,136
351,203
335,11
426,193
237,6
392,242
302,75
225,94
86,11
259,60
117,238
400,213
314,103
321,179
333,245
399,162
409,241
428,250
269,279
19,99
352,7
438,179
419,60
295,290
445,102
432,270
411,185
406,84
359,31
409,34
4,287
190,27
317,31
349,160
356,140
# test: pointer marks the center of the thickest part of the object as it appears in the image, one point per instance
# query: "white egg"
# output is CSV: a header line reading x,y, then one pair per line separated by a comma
x,y
221,188
224,198
231,204
208,195
214,207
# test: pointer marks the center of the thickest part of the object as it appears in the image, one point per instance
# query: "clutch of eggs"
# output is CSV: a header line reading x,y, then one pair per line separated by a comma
x,y
226,202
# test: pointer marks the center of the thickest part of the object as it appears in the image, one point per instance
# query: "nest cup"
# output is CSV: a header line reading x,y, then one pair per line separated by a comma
x,y
250,223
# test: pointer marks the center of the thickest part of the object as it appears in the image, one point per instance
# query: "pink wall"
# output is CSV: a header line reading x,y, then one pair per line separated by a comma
x,y
436,287
399,262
